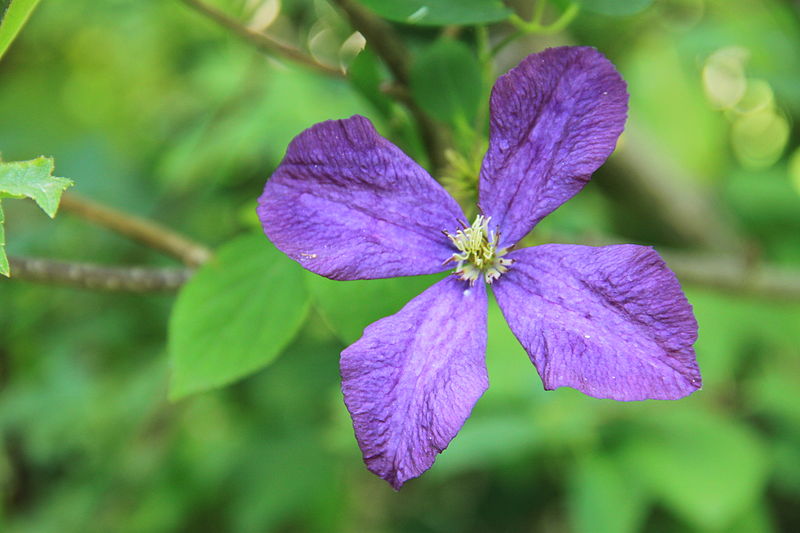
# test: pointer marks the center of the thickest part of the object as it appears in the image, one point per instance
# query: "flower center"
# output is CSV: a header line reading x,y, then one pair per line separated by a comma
x,y
477,252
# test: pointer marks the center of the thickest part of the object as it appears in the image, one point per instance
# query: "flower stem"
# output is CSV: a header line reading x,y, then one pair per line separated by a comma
x,y
535,26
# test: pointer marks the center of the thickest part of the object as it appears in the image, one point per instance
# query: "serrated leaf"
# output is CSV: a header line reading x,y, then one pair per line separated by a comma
x,y
446,81
365,301
4,269
29,179
439,13
235,315
705,468
33,179
13,19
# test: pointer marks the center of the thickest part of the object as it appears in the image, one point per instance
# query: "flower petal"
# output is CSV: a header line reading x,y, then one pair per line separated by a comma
x,y
611,322
554,120
348,204
410,382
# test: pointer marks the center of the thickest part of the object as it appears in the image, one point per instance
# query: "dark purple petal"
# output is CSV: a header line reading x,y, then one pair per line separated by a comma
x,y
348,204
611,322
410,382
554,120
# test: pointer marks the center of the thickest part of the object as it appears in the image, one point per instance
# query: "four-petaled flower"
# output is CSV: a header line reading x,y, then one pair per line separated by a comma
x,y
609,321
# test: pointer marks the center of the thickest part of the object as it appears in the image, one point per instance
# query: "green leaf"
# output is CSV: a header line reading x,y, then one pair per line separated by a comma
x,y
601,499
365,75
705,468
439,13
4,269
446,82
615,7
15,16
350,306
236,315
33,179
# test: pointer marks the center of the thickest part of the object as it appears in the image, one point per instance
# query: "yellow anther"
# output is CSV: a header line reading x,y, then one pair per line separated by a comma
x,y
477,252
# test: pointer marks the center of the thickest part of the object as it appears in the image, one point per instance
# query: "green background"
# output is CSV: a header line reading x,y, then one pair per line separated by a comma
x,y
153,109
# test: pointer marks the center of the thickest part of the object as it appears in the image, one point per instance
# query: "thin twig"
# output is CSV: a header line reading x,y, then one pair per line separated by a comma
x,y
262,41
98,277
536,26
142,230
391,49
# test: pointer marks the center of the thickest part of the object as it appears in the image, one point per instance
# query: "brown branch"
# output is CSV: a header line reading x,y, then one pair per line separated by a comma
x,y
142,230
262,41
388,46
98,277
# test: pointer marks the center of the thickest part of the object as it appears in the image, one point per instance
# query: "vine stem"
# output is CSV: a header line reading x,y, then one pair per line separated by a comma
x,y
535,25
145,231
98,277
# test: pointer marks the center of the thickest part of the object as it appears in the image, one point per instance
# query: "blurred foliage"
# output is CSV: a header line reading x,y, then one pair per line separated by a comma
x,y
151,108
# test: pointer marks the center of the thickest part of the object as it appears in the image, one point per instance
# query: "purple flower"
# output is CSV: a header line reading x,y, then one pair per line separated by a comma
x,y
609,321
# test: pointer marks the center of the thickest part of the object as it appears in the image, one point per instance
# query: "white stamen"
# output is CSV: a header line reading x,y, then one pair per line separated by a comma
x,y
477,252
